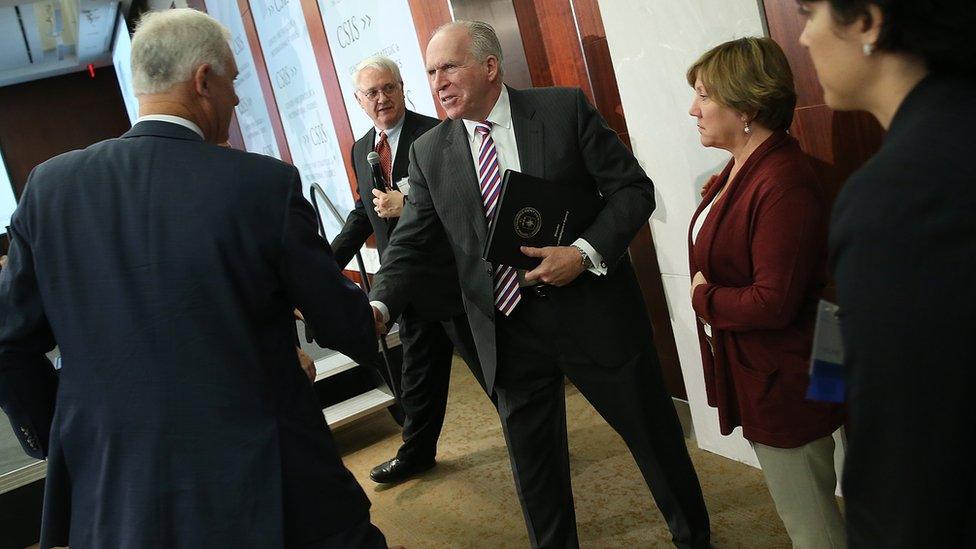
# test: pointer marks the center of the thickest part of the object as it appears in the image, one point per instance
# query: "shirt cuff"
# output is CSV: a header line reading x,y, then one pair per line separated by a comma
x,y
384,312
599,266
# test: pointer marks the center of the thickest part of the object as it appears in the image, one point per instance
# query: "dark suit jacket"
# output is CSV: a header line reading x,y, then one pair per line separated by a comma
x,y
903,245
437,296
562,138
763,250
166,269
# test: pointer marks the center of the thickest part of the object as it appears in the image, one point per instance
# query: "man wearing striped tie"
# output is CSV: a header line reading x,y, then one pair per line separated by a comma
x,y
579,314
433,324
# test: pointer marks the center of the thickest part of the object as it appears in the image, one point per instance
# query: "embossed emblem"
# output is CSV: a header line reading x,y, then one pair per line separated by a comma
x,y
528,222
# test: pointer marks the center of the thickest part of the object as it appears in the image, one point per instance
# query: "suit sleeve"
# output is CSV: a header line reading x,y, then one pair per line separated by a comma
x,y
628,192
351,239
28,381
356,229
332,304
788,242
406,259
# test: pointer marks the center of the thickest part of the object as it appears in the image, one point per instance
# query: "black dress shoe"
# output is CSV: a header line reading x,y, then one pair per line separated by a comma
x,y
397,470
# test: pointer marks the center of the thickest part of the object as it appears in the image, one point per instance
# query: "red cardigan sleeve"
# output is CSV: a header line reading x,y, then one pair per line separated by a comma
x,y
788,240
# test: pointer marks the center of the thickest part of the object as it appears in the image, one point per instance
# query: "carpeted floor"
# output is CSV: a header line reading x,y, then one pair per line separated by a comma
x,y
469,499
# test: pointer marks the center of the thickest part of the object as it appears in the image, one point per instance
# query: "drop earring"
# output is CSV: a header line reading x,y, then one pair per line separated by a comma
x,y
747,129
868,49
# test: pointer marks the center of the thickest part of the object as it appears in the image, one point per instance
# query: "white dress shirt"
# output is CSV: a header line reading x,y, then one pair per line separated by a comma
x,y
178,120
392,136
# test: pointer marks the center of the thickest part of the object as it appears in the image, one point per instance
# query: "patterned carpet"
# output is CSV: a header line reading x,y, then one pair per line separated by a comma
x,y
469,499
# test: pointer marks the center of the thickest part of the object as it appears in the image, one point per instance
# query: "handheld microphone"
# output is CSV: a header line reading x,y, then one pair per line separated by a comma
x,y
379,182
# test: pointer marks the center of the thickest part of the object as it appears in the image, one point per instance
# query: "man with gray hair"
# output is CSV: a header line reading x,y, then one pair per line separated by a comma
x,y
579,314
433,324
166,268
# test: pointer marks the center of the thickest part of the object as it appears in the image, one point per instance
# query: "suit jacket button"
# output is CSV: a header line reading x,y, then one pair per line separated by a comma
x,y
488,269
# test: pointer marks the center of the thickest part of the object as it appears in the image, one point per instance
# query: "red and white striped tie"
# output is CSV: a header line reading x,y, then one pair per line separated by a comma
x,y
507,294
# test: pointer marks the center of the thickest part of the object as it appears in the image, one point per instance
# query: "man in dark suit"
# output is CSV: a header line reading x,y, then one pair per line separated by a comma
x,y
585,319
433,323
167,268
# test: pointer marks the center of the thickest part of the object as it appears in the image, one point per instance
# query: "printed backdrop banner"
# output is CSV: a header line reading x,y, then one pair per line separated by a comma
x,y
252,111
358,29
301,101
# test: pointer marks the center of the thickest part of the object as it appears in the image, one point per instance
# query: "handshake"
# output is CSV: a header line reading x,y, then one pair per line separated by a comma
x,y
379,321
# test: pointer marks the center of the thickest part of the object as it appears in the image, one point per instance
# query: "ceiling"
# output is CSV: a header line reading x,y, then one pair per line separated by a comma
x,y
45,38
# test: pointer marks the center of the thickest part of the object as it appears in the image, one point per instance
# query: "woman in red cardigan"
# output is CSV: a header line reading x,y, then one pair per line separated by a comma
x,y
758,253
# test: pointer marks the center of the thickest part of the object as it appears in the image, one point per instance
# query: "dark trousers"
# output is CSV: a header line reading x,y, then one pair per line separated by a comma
x,y
534,355
428,349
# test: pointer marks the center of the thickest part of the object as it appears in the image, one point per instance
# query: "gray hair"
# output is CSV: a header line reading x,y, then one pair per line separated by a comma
x,y
484,41
169,45
377,62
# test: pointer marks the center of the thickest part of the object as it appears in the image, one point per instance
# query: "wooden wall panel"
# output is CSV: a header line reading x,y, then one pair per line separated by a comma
x,y
785,26
552,45
427,16
599,65
88,110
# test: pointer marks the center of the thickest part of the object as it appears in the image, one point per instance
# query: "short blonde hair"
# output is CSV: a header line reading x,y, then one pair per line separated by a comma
x,y
750,75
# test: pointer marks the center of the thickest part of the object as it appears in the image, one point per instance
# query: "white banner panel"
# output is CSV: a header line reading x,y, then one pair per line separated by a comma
x,y
8,202
358,29
301,100
122,60
252,111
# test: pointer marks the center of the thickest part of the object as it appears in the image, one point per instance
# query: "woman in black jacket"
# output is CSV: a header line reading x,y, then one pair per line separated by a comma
x,y
903,248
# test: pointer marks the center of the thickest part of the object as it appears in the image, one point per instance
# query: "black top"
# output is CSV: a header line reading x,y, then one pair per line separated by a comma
x,y
903,245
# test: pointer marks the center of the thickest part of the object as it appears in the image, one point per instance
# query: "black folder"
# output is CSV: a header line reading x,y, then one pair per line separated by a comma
x,y
538,213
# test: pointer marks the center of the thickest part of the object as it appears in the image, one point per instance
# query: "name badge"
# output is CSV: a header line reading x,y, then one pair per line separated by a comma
x,y
403,185
827,358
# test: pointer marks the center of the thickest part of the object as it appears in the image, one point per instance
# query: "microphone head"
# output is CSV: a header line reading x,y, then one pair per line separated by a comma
x,y
373,158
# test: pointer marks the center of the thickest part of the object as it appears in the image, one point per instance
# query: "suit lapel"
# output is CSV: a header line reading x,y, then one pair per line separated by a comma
x,y
464,181
363,171
528,135
407,135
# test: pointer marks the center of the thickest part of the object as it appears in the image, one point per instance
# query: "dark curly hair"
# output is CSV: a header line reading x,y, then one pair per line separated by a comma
x,y
938,31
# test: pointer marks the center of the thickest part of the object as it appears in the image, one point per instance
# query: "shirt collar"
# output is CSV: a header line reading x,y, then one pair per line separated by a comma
x,y
393,133
179,120
500,115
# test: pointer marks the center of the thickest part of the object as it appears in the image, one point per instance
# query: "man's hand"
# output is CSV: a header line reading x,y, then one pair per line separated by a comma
x,y
697,281
3,261
388,204
308,365
378,322
560,264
